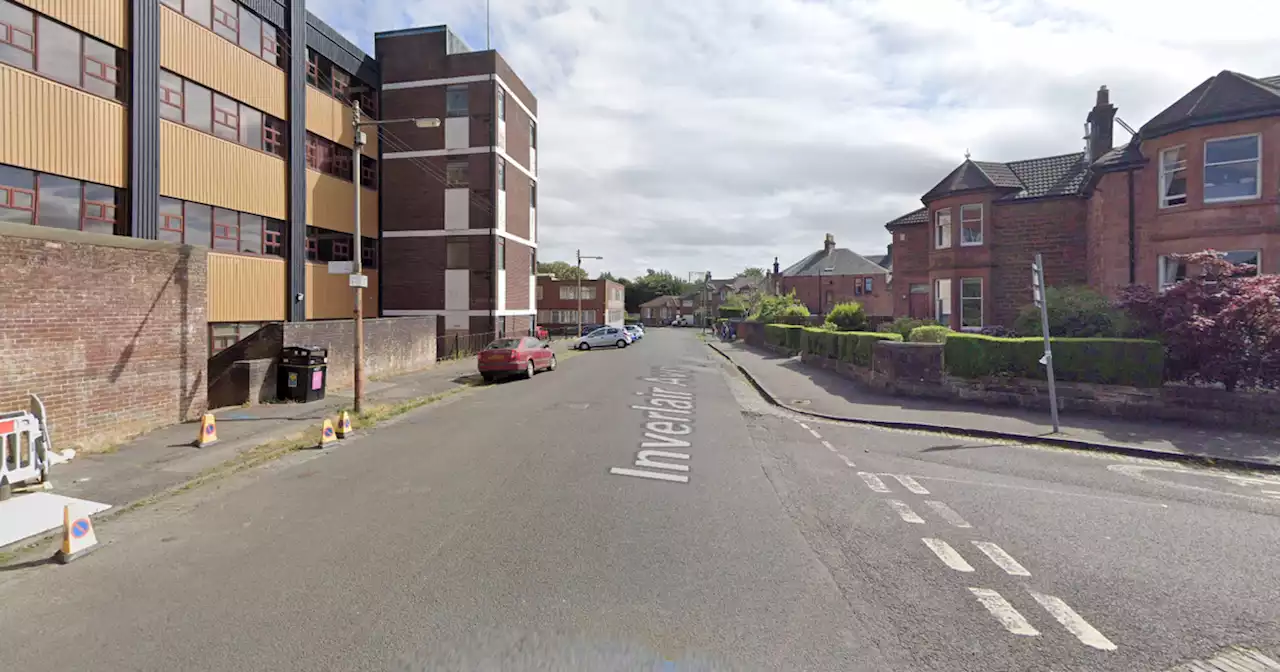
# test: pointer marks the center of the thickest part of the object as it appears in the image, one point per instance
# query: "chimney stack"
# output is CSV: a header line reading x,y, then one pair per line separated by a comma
x,y
776,269
1101,126
829,244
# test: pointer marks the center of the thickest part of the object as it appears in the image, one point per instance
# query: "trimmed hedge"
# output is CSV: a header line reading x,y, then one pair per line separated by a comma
x,y
929,334
1106,361
857,347
782,335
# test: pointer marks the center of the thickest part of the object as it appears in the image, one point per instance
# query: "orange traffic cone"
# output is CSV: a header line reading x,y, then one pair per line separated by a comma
x,y
208,431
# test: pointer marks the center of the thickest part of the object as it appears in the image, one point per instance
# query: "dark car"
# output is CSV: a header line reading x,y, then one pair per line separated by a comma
x,y
522,356
588,328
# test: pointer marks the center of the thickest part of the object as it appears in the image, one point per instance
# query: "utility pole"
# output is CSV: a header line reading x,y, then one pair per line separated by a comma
x,y
357,280
580,258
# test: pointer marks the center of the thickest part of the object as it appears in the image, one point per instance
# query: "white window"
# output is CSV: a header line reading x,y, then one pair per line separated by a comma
x,y
971,225
588,293
971,302
1173,177
568,292
1232,171
942,301
942,229
539,292
502,103
588,316
1250,257
1171,271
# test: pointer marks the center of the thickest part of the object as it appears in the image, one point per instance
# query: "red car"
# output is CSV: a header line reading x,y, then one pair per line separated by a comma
x,y
540,333
523,356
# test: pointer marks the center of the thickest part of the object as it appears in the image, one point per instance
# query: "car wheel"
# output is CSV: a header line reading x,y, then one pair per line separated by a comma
x,y
552,365
488,377
621,343
585,346
530,369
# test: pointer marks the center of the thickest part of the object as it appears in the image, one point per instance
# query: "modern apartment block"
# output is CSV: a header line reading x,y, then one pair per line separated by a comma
x,y
461,229
603,302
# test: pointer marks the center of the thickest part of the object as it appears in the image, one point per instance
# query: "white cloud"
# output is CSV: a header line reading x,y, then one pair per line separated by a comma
x,y
717,134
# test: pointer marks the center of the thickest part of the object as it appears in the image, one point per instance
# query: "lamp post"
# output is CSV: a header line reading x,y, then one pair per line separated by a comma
x,y
581,256
357,279
829,269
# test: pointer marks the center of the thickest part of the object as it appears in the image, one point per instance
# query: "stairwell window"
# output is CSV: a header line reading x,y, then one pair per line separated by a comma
x,y
942,229
970,225
1173,177
1232,169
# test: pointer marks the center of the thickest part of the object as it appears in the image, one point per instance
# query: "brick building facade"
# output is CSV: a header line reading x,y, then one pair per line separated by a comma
x,y
835,275
603,302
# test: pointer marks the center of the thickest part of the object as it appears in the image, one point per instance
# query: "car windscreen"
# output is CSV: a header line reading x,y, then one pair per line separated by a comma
x,y
504,344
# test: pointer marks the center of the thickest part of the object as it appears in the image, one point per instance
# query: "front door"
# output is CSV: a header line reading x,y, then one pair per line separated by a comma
x,y
918,302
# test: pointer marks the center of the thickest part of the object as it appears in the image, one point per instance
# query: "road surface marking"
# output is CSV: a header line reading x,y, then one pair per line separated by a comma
x,y
848,462
1238,659
1139,471
873,482
1004,612
947,555
828,446
815,434
910,484
644,458
675,478
1087,634
1046,491
805,426
1001,558
905,512
947,513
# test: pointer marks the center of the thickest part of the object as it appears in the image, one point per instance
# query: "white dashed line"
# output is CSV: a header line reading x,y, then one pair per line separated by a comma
x,y
847,462
828,446
805,426
815,434
905,512
1001,558
1004,612
911,484
873,482
947,555
1087,634
947,514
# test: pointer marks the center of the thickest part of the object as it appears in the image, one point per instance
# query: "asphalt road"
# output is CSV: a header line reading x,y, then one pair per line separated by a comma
x,y
491,531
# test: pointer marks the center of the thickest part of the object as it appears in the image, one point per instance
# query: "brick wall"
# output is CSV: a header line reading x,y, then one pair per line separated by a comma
x,y
519,265
391,345
1052,227
911,267
843,288
109,331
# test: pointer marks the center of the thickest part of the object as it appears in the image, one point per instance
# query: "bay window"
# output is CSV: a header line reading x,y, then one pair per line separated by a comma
x,y
1173,177
942,229
970,225
1232,168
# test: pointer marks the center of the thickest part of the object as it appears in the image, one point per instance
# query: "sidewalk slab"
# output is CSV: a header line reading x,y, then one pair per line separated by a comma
x,y
813,391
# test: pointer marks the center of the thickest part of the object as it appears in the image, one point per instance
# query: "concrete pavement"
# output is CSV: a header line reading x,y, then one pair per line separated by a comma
x,y
490,533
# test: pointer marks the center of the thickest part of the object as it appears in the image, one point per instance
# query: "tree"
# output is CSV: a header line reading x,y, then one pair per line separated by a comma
x,y
752,272
1074,312
606,275
847,316
772,309
563,270
1218,327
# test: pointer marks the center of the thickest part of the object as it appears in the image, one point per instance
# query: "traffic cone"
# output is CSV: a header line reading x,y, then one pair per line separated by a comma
x,y
208,431
344,425
326,433
78,538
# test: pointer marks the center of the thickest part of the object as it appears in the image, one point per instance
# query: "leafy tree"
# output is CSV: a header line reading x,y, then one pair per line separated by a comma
x,y
771,308
847,316
1074,312
563,270
752,272
1218,327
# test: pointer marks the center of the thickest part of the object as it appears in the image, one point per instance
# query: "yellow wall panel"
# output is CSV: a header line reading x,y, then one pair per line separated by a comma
x,y
330,119
246,289
107,20
196,166
52,128
329,297
331,202
197,53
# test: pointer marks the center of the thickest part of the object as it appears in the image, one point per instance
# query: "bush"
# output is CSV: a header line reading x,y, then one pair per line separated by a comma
x,y
996,330
821,342
771,308
732,311
848,316
1217,326
935,334
1074,312
775,334
903,326
1108,361
795,337
857,347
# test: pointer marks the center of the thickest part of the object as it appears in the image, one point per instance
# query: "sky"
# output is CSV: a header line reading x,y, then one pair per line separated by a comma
x,y
714,135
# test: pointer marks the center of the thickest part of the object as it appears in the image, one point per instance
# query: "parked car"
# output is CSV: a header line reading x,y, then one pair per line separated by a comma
x,y
635,330
540,333
523,356
604,337
588,328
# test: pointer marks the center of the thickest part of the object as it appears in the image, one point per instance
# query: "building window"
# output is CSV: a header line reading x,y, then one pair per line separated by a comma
x,y
539,293
226,118
197,224
1173,177
502,254
942,301
58,52
170,216
341,250
455,174
456,100
250,228
251,132
197,106
368,252
329,158
857,286
273,237
226,20
59,202
589,293
101,212
200,11
1246,257
38,44
942,229
170,97
223,335
17,36
188,103
1172,271
226,230
970,225
867,285
502,103
340,84
457,254
971,302
568,293
102,69
313,245
313,68
533,134
342,160
1232,169
502,175
369,172
273,131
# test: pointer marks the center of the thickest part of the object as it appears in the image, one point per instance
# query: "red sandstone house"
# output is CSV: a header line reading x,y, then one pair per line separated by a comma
x,y
1203,174
836,275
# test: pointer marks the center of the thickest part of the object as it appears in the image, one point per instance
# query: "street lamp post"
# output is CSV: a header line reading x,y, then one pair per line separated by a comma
x,y
357,279
581,256
829,269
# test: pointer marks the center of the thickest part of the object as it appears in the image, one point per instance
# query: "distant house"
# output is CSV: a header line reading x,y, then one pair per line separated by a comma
x,y
659,311
834,275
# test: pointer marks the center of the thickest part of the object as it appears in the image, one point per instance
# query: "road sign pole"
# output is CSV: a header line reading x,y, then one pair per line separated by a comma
x,y
1038,293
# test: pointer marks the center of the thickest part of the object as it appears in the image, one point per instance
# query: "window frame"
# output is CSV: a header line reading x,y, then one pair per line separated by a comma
x,y
213,246
368,172
981,298
341,250
501,256
981,224
450,183
449,112
234,116
454,264
1257,169
272,239
234,26
1164,201
9,30
938,300
112,208
104,70
939,230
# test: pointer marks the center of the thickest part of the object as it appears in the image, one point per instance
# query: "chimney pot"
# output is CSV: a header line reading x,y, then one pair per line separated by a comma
x,y
1104,96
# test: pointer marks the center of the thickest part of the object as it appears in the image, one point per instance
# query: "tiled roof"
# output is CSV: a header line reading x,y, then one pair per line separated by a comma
x,y
920,216
968,176
999,174
840,260
881,260
1273,81
1227,96
661,301
1049,176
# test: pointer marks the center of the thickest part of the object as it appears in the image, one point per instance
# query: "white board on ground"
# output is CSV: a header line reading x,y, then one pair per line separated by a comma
x,y
28,515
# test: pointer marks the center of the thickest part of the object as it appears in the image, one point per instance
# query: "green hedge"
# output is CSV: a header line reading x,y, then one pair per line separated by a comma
x,y
820,342
929,334
776,334
857,346
1108,361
